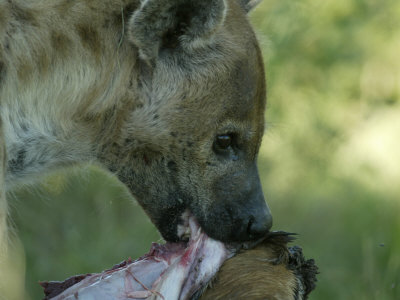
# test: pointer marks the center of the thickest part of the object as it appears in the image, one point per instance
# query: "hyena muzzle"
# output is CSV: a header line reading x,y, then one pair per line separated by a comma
x,y
169,95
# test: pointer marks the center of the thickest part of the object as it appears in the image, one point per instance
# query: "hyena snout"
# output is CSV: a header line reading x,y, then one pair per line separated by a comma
x,y
258,223
239,222
240,212
252,221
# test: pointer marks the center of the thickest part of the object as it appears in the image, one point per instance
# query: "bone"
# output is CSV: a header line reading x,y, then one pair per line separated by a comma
x,y
177,271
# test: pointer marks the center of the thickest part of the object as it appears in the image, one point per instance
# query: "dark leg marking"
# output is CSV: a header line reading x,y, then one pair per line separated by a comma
x,y
2,73
17,164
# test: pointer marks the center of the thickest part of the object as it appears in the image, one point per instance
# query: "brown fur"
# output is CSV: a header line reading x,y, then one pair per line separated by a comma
x,y
270,271
143,89
252,275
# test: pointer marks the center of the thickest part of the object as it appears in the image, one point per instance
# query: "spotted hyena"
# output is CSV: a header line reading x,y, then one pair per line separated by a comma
x,y
169,95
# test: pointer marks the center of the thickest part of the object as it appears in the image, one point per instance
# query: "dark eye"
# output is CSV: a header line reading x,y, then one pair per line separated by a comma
x,y
223,141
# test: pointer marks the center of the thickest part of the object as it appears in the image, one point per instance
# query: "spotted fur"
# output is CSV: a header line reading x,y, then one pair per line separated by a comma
x,y
141,88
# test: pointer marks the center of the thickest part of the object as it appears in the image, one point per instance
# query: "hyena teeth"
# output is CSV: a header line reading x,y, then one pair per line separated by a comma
x,y
187,234
183,229
184,232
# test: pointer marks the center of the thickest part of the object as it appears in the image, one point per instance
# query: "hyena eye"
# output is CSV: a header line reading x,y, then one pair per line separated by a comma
x,y
223,141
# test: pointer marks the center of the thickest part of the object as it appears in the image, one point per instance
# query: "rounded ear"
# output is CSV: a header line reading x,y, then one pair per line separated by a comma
x,y
248,5
161,24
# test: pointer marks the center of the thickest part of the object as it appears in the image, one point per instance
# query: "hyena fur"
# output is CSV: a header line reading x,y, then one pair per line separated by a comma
x,y
167,95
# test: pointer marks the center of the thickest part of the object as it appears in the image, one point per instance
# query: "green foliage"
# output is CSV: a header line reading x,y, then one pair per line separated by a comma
x,y
330,159
329,163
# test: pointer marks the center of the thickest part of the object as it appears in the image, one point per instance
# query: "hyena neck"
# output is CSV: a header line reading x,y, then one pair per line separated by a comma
x,y
38,143
66,106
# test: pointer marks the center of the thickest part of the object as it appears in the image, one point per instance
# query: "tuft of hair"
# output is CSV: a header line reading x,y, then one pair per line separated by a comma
x,y
267,269
166,24
306,271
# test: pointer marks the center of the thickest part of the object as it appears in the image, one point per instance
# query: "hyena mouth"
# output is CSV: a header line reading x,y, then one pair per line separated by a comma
x,y
183,230
169,271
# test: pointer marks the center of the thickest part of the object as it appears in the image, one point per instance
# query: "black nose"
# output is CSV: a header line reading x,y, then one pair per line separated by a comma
x,y
259,226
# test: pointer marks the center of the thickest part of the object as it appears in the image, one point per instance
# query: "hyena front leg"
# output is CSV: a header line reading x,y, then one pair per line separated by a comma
x,y
3,203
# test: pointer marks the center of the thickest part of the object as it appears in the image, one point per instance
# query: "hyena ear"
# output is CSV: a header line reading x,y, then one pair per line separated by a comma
x,y
159,24
248,5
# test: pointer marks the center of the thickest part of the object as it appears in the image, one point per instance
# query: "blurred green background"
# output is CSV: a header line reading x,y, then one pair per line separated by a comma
x,y
330,160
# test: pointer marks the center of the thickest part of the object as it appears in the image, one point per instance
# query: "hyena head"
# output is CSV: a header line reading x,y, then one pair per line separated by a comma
x,y
199,129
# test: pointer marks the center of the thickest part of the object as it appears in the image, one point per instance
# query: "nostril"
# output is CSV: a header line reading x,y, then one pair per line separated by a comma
x,y
258,227
249,225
